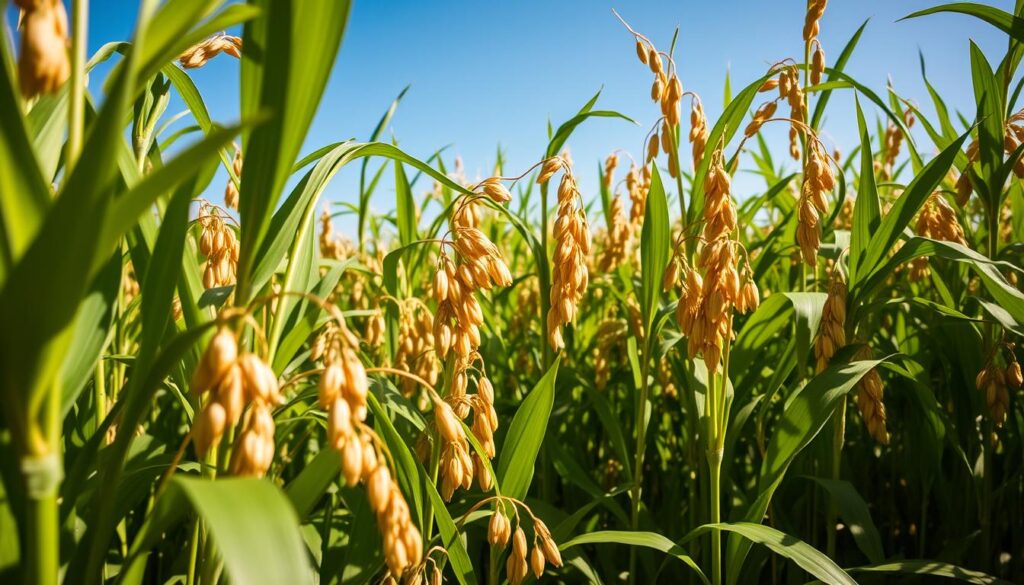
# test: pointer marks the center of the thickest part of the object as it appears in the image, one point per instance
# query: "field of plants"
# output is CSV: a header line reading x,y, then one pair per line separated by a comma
x,y
513,379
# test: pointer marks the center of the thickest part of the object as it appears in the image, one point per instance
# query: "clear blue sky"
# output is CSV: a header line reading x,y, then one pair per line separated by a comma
x,y
490,73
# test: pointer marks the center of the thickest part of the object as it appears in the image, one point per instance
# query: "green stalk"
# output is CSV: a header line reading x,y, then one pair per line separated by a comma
x,y
42,563
714,458
193,554
715,464
545,295
99,388
641,438
76,83
838,439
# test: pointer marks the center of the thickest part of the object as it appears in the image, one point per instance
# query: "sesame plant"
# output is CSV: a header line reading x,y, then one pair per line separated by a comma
x,y
509,379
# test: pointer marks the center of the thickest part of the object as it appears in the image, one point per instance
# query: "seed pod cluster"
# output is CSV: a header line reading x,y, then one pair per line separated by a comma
x,y
893,141
666,88
375,329
610,164
569,275
818,179
698,130
1013,138
415,352
815,10
762,115
832,328
870,393
937,220
610,335
231,190
220,246
791,91
403,544
617,241
478,265
236,381
638,184
704,310
198,55
332,246
523,560
993,381
456,465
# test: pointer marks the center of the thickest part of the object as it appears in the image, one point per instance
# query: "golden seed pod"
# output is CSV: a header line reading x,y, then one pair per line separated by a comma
x,y
769,85
657,88
817,65
1013,375
641,51
209,428
496,191
329,387
497,530
219,356
378,489
537,561
441,286
652,147
447,423
551,551
230,393
519,542
339,423
43,64
654,60
352,462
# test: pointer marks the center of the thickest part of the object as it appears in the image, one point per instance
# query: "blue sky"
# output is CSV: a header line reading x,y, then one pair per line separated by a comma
x,y
485,74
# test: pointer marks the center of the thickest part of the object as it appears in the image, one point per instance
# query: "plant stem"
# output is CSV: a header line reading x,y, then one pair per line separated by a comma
x,y
42,563
715,465
838,438
76,83
641,438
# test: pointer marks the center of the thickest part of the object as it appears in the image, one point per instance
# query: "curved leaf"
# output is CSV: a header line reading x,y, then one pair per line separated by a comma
x,y
525,435
637,538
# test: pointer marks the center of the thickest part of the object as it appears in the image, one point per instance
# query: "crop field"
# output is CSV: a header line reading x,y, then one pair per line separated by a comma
x,y
721,357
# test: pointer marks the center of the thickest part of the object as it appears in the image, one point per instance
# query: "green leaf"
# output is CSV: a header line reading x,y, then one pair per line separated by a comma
x,y
451,539
565,130
637,538
905,208
989,97
364,191
525,435
654,247
24,193
405,208
837,68
772,317
808,411
282,75
854,512
306,489
1004,21
934,568
408,474
92,331
806,556
725,128
866,209
1009,297
251,522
